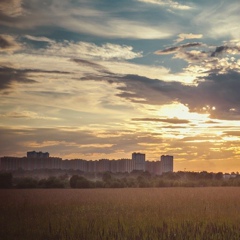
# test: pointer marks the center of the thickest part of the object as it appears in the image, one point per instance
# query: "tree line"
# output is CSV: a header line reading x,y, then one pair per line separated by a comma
x,y
135,179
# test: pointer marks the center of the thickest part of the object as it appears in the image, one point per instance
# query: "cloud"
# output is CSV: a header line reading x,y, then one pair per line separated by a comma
x,y
39,39
215,94
174,127
167,3
11,8
205,59
168,120
184,36
211,122
91,64
232,133
84,18
8,43
219,19
26,115
124,68
149,91
177,48
88,50
52,94
67,142
219,91
10,75
194,56
226,49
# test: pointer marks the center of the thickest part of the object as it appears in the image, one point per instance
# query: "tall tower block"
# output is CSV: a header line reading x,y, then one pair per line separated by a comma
x,y
167,163
138,161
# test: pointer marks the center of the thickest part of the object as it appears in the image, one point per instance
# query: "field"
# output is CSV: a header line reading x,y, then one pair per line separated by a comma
x,y
151,213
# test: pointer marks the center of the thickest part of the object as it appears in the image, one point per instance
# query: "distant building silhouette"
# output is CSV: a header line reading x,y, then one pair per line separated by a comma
x,y
167,163
153,167
138,161
27,163
34,154
40,160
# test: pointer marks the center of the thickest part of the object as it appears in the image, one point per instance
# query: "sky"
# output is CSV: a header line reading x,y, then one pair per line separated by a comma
x,y
93,79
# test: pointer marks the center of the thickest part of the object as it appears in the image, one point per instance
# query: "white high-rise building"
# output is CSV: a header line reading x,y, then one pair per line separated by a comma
x,y
138,161
167,163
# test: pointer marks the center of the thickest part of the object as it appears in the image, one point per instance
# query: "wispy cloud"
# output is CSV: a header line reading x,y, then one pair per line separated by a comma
x,y
174,49
88,50
72,139
203,58
220,19
38,39
87,20
199,98
232,133
226,49
168,3
26,115
165,120
184,36
9,43
11,8
10,75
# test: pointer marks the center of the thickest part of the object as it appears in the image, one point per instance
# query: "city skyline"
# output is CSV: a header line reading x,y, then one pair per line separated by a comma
x,y
102,79
40,160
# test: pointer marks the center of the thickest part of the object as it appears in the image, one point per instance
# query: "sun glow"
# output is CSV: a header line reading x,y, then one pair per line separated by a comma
x,y
180,111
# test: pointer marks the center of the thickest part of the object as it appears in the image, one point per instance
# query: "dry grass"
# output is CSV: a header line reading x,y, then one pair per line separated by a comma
x,y
166,213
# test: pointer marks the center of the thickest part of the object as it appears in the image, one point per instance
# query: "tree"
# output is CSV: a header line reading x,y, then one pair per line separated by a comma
x,y
107,177
26,183
219,176
80,182
6,180
53,182
143,182
73,181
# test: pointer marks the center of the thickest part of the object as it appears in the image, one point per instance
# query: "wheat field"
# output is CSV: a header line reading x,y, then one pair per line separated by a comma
x,y
151,213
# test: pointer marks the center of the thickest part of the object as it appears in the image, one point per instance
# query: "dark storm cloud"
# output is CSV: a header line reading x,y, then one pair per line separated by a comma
x,y
167,120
